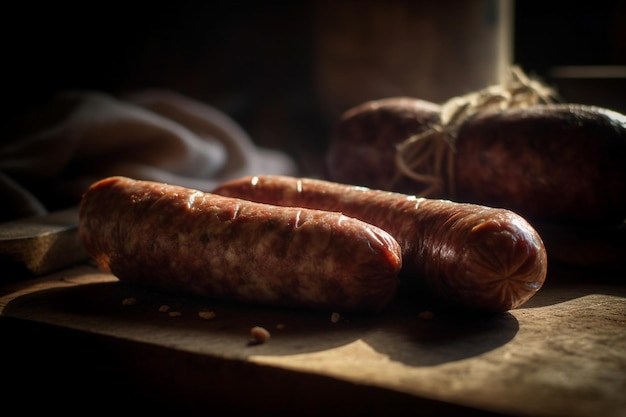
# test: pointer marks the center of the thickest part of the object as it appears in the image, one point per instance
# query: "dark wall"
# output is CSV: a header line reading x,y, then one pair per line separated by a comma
x,y
251,59
557,32
551,35
227,52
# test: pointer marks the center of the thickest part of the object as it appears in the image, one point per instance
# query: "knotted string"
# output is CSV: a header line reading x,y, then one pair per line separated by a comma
x,y
438,143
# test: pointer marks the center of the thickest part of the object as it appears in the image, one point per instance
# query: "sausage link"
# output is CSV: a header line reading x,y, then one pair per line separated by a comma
x,y
553,163
362,148
189,242
474,256
560,163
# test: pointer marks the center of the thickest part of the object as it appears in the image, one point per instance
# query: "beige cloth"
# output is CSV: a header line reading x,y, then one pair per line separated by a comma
x,y
157,135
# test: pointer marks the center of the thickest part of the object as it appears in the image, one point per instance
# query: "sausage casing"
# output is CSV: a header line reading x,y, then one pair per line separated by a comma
x,y
186,241
559,163
362,148
553,163
474,256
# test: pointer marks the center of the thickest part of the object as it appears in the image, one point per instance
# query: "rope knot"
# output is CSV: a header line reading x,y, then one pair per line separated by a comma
x,y
435,147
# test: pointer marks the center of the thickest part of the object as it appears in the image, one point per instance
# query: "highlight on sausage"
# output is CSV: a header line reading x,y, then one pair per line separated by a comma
x,y
185,241
555,163
473,256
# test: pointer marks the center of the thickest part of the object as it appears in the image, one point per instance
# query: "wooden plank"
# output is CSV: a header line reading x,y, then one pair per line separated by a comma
x,y
41,244
562,354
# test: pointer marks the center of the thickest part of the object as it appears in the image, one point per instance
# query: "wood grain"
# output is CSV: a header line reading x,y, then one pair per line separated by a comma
x,y
561,354
40,244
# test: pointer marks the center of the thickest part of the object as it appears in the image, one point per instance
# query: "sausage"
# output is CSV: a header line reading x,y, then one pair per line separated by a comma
x,y
559,163
550,163
363,142
469,255
185,241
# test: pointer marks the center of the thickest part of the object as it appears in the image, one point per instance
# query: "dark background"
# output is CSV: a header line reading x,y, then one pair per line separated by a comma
x,y
254,59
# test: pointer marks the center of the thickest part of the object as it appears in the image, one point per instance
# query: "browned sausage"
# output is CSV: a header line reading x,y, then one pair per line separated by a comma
x,y
559,163
189,242
556,163
473,256
362,147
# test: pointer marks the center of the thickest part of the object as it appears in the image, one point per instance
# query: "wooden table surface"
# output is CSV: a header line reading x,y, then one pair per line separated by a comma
x,y
69,337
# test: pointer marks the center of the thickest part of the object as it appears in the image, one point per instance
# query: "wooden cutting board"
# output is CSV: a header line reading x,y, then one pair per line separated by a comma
x,y
561,354
40,244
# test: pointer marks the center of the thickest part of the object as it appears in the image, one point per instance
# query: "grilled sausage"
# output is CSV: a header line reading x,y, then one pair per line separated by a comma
x,y
472,256
186,241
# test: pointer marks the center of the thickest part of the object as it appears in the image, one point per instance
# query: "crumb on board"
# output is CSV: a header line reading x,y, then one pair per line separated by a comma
x,y
280,326
335,317
164,308
174,314
207,315
427,315
129,301
259,335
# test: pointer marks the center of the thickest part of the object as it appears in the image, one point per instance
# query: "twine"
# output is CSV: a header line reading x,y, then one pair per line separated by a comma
x,y
438,143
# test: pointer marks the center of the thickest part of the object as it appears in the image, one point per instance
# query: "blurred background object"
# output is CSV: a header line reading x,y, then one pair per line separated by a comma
x,y
578,48
284,70
425,49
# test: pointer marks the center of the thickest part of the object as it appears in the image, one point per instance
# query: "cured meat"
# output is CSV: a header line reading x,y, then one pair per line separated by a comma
x,y
470,255
362,147
559,163
550,163
185,241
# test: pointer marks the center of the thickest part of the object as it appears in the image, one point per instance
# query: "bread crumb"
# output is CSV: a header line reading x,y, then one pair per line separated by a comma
x,y
174,314
280,326
207,315
335,317
129,301
259,335
164,308
427,315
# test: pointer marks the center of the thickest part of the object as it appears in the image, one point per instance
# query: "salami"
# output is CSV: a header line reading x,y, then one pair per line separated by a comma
x,y
362,147
551,163
185,241
473,256
559,163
